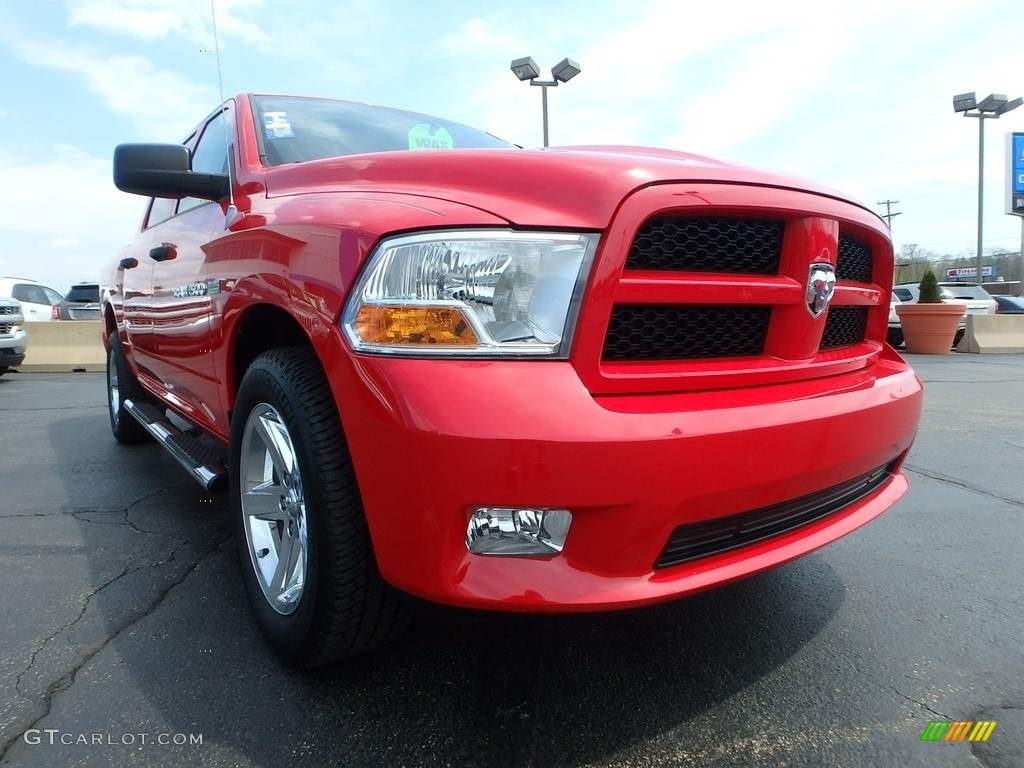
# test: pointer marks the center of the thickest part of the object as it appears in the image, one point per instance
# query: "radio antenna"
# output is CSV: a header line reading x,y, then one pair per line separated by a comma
x,y
232,211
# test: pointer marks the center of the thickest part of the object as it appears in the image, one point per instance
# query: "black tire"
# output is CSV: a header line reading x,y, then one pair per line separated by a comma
x,y
959,335
895,337
122,385
328,602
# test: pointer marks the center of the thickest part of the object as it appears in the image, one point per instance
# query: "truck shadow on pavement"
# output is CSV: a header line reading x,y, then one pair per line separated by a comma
x,y
165,643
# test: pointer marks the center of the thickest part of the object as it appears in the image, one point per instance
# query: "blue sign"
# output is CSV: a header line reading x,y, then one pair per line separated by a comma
x,y
1015,173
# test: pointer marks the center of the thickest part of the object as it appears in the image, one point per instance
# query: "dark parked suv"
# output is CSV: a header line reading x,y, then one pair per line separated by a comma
x,y
81,303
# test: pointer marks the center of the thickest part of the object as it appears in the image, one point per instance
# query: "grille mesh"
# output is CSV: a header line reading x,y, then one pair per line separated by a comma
x,y
686,244
689,542
9,310
854,260
680,333
5,329
845,325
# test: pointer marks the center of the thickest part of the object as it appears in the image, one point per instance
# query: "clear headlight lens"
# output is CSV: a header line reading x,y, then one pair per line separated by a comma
x,y
472,292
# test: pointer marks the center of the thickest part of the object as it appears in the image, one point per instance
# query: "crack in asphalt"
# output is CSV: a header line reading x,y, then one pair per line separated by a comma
x,y
134,565
68,625
71,512
127,570
125,512
128,510
919,703
960,483
68,679
122,511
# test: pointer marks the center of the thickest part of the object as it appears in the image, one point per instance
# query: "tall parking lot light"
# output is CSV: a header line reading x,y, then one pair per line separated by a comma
x,y
564,71
992,107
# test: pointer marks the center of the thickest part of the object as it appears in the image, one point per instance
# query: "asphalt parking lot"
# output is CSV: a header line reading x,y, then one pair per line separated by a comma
x,y
126,638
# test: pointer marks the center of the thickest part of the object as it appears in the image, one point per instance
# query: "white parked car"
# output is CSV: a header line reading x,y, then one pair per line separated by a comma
x,y
38,302
978,300
895,335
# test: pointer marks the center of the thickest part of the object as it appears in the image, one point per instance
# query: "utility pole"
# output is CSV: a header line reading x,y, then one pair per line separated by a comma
x,y
889,215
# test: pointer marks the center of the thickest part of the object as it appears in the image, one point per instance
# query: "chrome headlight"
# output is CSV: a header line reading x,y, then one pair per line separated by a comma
x,y
472,292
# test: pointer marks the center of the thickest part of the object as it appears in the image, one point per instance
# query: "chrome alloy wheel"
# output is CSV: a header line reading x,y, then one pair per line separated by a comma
x,y
273,508
113,390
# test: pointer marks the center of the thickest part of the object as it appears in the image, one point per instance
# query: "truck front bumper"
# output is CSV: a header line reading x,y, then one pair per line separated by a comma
x,y
433,439
13,348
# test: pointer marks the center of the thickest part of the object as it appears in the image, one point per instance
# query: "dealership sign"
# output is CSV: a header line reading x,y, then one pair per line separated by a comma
x,y
964,273
1015,173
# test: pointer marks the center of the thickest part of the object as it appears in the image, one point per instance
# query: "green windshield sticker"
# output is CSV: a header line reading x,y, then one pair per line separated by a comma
x,y
426,136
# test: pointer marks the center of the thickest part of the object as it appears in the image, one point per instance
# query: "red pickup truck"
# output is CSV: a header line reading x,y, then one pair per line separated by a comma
x,y
425,362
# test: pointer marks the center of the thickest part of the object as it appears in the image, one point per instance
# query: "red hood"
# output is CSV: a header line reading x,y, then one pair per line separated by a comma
x,y
577,187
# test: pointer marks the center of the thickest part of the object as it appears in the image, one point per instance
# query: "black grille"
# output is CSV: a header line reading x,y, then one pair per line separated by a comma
x,y
738,246
689,542
854,260
845,325
679,333
9,310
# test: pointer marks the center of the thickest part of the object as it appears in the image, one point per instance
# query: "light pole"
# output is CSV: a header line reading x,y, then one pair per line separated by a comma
x,y
992,107
562,72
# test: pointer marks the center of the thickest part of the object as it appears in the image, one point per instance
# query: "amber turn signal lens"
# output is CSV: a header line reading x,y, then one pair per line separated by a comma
x,y
377,324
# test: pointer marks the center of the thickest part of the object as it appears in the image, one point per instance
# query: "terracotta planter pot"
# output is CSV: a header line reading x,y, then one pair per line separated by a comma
x,y
929,329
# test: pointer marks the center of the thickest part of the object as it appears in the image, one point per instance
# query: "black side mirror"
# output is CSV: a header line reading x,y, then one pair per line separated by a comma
x,y
163,170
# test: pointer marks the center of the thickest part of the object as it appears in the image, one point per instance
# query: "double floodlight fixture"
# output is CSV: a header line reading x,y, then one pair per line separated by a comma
x,y
993,105
526,70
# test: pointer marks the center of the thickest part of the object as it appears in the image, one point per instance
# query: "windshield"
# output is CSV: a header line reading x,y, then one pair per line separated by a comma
x,y
83,293
295,129
964,292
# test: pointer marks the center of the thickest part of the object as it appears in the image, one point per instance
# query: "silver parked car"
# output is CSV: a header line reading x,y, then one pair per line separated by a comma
x,y
81,303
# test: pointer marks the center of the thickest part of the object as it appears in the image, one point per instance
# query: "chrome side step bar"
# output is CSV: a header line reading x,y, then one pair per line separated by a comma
x,y
203,463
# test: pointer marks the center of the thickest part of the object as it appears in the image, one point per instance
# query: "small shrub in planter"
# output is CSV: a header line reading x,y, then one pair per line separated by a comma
x,y
929,326
929,289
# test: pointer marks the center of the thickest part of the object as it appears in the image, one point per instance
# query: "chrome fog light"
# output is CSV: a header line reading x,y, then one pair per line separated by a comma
x,y
515,531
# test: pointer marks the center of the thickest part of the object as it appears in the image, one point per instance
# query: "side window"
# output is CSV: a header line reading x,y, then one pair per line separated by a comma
x,y
210,155
30,294
161,209
903,294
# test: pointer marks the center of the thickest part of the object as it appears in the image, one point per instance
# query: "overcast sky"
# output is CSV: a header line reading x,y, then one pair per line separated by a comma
x,y
856,95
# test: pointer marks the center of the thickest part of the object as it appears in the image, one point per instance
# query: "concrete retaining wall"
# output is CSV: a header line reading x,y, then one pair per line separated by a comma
x,y
993,333
77,345
65,345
